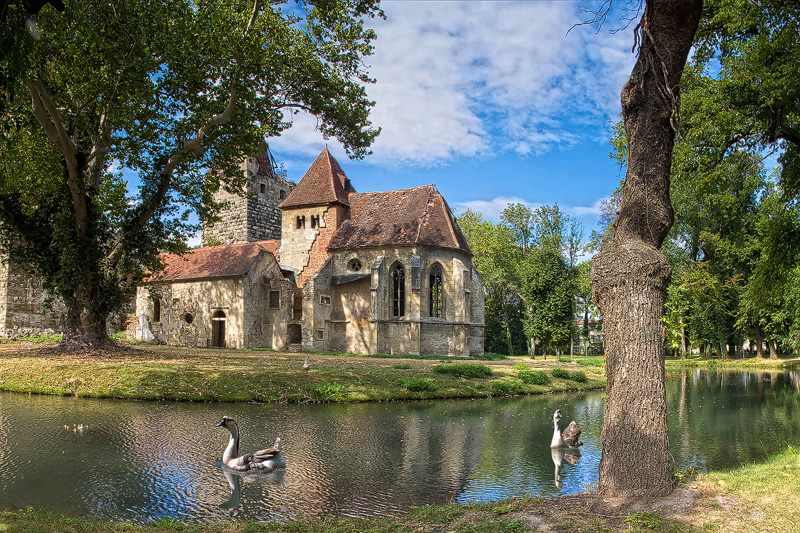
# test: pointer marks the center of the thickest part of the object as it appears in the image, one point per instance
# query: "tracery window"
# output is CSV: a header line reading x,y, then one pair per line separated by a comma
x,y
398,290
436,296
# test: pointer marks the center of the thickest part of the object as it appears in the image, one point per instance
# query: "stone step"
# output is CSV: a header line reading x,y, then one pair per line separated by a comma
x,y
296,347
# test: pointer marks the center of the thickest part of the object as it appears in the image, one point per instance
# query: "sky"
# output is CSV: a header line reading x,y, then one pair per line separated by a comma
x,y
492,101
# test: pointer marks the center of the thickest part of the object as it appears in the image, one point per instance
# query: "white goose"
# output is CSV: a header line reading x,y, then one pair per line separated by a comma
x,y
570,438
268,459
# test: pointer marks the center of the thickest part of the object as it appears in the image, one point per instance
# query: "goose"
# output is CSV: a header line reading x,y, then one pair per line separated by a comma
x,y
569,438
268,459
306,366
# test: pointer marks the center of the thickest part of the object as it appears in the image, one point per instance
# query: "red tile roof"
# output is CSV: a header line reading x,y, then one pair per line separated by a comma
x,y
323,183
214,261
405,217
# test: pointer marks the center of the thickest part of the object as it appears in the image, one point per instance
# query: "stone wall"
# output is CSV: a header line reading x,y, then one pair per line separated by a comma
x,y
252,218
359,316
25,304
242,303
187,308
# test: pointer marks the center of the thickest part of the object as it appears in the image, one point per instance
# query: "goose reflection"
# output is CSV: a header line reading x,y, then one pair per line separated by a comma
x,y
561,455
234,479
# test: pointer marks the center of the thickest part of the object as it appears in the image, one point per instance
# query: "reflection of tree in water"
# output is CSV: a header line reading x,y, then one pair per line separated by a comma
x,y
728,418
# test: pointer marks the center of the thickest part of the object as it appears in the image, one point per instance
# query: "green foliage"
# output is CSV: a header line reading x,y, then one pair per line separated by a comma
x,y
534,377
464,370
578,376
686,475
560,373
403,366
520,366
119,93
328,390
417,384
505,387
592,361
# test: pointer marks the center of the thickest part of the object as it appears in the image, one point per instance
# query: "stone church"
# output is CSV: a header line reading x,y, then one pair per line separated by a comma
x,y
319,266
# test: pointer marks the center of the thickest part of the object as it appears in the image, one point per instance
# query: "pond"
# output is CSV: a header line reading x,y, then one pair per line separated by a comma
x,y
144,460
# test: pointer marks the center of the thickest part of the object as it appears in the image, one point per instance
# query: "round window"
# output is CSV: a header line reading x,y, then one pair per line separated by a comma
x,y
188,318
354,265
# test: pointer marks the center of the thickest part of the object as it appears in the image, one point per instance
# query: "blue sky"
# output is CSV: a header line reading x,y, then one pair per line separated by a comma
x,y
491,101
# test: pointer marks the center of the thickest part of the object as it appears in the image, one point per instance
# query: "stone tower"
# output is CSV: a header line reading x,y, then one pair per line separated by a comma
x,y
255,217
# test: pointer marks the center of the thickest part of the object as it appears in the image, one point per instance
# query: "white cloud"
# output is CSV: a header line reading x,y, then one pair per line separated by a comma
x,y
467,79
491,209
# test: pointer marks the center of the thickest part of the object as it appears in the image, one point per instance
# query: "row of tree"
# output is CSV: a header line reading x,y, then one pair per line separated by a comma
x,y
533,282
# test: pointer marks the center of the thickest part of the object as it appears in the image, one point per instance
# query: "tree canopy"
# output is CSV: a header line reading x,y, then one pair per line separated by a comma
x,y
123,119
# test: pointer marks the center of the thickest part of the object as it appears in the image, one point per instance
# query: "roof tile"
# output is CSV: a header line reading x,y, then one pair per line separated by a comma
x,y
214,261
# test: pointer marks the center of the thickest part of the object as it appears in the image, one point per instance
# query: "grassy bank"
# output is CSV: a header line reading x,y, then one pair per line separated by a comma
x,y
784,362
759,497
178,373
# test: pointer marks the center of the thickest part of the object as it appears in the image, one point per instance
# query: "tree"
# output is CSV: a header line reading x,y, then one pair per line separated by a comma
x,y
630,274
496,257
175,93
547,287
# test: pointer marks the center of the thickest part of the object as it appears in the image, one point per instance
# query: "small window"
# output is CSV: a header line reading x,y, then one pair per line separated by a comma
x,y
282,194
398,290
263,188
435,279
354,265
188,318
274,299
320,334
325,299
314,221
156,310
301,222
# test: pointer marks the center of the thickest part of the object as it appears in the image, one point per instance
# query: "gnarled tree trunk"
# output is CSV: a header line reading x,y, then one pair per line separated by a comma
x,y
630,274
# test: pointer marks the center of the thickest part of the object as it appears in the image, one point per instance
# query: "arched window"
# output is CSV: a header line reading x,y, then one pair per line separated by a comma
x,y
218,329
398,290
436,295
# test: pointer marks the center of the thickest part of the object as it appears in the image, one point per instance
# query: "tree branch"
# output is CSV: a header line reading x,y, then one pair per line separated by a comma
x,y
195,146
49,118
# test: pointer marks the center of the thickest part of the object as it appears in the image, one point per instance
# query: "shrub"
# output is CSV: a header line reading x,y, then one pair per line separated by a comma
x,y
578,376
464,371
329,389
534,377
520,366
560,373
417,384
506,387
404,366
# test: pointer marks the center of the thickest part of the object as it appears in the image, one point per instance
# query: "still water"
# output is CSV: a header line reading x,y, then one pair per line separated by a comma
x,y
144,460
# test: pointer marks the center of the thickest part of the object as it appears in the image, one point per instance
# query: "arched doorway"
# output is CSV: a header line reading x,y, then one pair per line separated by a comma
x,y
218,320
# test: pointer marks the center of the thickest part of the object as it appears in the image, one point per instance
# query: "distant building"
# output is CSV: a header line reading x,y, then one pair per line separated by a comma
x,y
384,272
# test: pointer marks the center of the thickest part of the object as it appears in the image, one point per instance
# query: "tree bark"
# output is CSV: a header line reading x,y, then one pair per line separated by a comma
x,y
759,343
630,274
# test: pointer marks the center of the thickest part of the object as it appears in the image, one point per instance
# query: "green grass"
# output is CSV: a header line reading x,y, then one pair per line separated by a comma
x,y
177,373
533,377
463,370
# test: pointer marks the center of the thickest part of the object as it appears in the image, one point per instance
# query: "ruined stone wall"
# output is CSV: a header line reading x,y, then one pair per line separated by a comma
x,y
3,290
252,218
304,243
187,308
265,327
25,304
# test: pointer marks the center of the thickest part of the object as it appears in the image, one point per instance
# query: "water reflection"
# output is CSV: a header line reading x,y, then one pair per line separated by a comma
x,y
144,460
234,479
560,456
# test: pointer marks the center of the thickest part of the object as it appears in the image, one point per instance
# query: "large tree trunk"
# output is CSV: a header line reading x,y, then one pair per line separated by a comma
x,y
630,274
